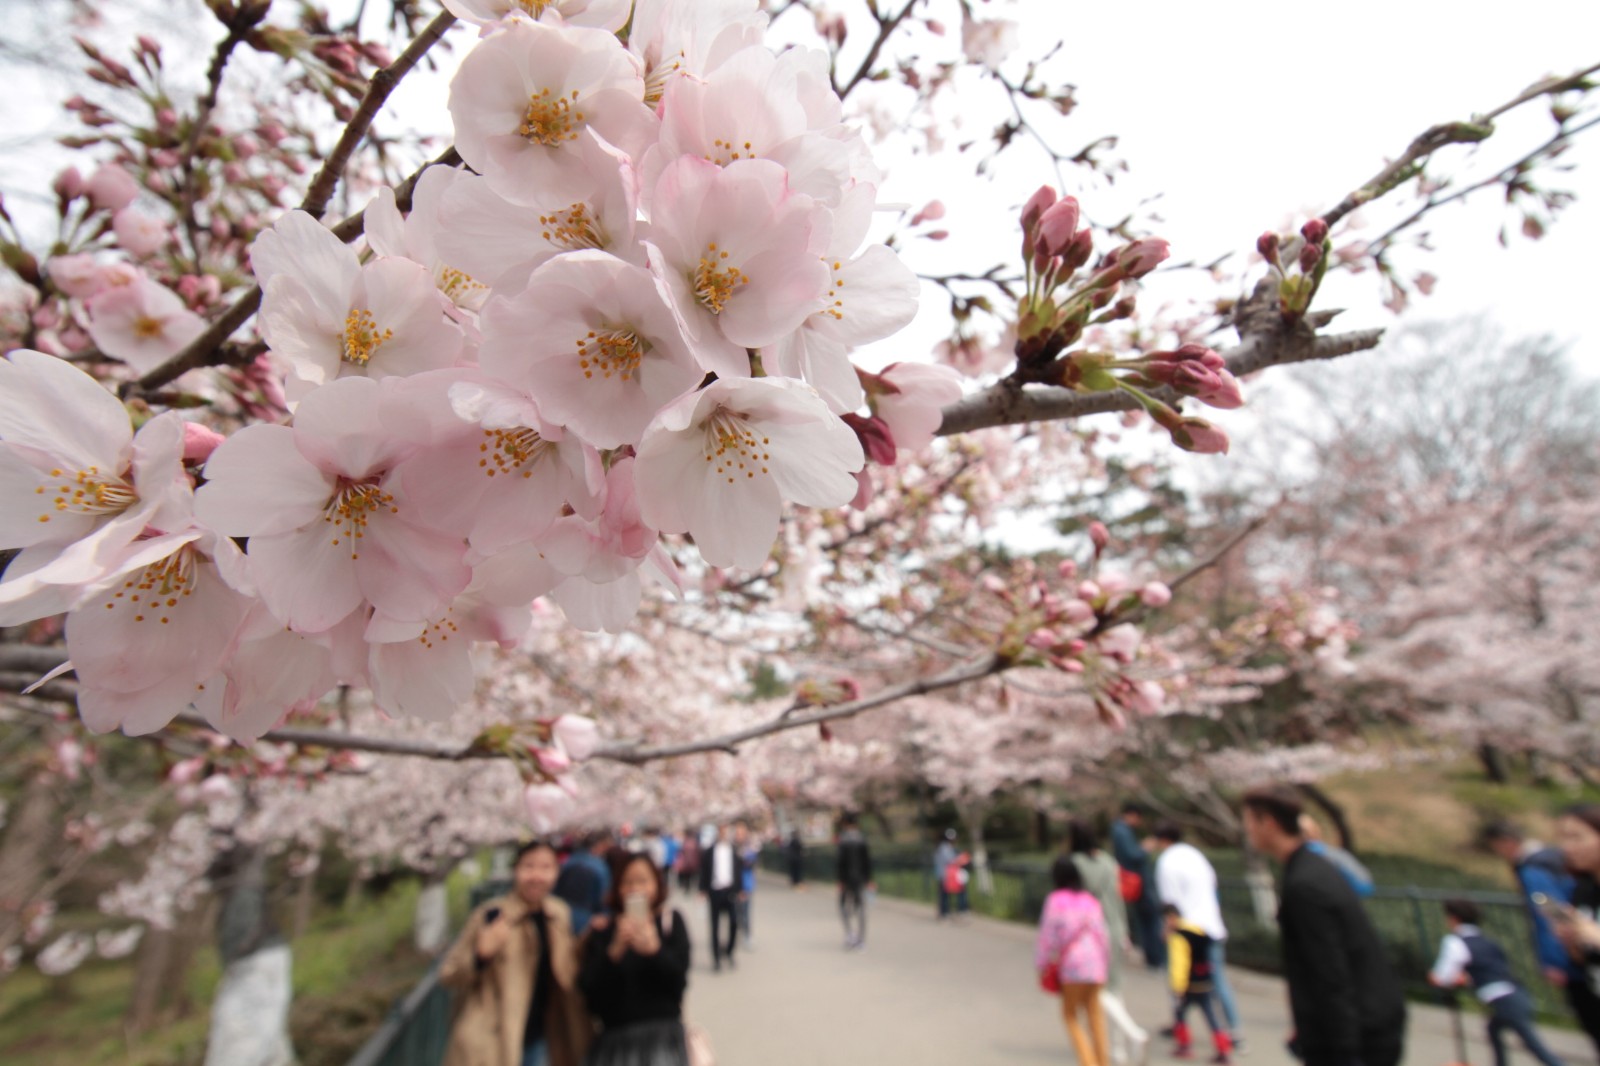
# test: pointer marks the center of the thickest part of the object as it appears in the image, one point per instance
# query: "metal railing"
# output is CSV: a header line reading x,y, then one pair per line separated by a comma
x,y
417,1029
1410,919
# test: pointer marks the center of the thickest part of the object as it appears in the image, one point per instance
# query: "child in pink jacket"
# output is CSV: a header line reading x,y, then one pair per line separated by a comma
x,y
1074,951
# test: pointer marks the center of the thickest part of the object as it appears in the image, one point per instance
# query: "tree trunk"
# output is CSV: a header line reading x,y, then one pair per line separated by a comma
x,y
431,930
250,1016
150,967
305,902
1494,763
30,841
982,878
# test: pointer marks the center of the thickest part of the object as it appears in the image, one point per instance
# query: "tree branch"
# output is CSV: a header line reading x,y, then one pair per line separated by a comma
x,y
200,351
886,28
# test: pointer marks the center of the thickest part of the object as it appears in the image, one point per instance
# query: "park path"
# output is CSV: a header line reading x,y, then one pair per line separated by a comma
x,y
931,994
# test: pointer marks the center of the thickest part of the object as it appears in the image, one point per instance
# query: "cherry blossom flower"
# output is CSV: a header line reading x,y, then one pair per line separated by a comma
x,y
143,323
870,296
610,15
329,527
524,96
112,188
719,463
753,107
592,339
602,559
578,736
1120,642
500,242
547,804
417,236
272,673
674,39
501,474
1155,594
329,316
738,255
915,406
138,233
78,485
83,276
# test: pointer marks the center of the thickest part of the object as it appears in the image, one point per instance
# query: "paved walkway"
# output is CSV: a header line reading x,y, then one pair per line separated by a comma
x,y
930,994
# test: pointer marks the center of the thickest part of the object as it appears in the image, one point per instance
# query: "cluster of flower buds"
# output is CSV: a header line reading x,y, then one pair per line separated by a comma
x,y
1085,631
1299,263
1054,311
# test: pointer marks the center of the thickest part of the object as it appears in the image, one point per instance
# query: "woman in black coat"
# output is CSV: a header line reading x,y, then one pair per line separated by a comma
x,y
634,972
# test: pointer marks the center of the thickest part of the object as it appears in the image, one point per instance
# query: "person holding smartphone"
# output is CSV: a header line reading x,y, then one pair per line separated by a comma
x,y
514,971
1575,925
635,971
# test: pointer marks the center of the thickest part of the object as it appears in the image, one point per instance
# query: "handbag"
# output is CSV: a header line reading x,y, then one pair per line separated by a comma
x,y
1050,981
1130,885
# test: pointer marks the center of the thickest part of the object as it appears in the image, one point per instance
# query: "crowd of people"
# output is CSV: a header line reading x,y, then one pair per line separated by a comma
x,y
585,962
1157,895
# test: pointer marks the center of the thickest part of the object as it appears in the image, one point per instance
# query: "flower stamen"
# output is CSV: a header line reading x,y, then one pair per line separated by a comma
x,y
88,492
510,452
549,120
352,507
733,447
716,280
573,229
616,351
362,338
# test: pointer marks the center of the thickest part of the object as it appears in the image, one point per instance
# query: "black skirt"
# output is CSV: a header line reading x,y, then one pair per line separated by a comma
x,y
641,1044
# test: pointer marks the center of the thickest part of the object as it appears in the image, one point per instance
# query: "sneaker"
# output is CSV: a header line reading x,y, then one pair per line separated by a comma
x,y
1168,1033
1183,1053
1139,1052
1221,1059
1239,1045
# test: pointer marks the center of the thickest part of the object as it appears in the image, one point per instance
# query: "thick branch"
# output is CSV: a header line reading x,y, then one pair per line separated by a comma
x,y
1010,404
202,350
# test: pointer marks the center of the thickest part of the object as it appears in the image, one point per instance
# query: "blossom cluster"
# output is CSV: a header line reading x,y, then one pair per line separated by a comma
x,y
629,315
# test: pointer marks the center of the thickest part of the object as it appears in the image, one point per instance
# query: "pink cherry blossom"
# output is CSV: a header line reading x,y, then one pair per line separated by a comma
x,y
143,323
524,96
418,236
112,188
592,339
139,234
1120,642
500,242
330,528
988,42
547,805
328,316
577,735
610,15
83,276
738,255
1155,594
77,486
719,463
915,408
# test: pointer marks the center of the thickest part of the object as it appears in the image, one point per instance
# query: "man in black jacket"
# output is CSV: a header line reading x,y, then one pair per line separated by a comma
x,y
855,877
1348,1005
722,871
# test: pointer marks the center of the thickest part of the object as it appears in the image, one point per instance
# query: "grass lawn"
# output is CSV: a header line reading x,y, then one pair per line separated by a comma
x,y
349,967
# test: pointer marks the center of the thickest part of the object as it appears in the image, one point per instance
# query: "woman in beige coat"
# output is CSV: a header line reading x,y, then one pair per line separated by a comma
x,y
513,972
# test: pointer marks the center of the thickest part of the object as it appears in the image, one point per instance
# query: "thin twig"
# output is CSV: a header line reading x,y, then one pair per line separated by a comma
x,y
886,28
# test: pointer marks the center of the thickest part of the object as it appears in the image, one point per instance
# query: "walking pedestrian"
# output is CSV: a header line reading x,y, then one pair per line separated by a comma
x,y
1354,870
1348,1005
796,853
689,861
721,882
943,856
1578,833
855,881
585,879
1186,879
1467,956
749,854
1193,978
1071,956
1144,909
513,972
1101,880
635,971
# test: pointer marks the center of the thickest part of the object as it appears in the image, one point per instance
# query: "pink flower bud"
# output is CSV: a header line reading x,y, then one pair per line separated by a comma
x,y
577,735
149,45
1099,536
1042,639
1067,569
1267,245
1315,231
876,438
1120,642
1034,209
167,118
68,185
553,762
187,771
245,146
931,211
138,233
937,235
271,132
935,27
1077,613
1155,594
1088,591
1058,226
112,188
1112,582
1198,435
199,442
1078,252
1142,256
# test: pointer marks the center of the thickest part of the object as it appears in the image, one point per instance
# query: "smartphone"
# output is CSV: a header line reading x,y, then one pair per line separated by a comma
x,y
1553,909
491,915
637,907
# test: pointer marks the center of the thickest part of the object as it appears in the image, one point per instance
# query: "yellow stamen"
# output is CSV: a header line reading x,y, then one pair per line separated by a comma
x,y
550,120
352,507
611,352
732,446
362,338
715,279
572,229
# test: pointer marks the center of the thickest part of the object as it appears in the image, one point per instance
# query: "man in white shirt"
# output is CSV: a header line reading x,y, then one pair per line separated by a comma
x,y
1185,879
721,882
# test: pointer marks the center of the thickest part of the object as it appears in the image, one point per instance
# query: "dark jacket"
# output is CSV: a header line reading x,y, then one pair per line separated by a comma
x,y
855,859
1131,856
1347,1002
1544,872
707,865
638,988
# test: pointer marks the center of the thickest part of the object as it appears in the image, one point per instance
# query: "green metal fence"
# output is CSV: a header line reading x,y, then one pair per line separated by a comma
x,y
417,1029
1408,918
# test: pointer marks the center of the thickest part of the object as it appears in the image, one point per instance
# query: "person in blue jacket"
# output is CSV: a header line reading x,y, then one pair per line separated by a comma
x,y
1540,871
1354,871
1144,914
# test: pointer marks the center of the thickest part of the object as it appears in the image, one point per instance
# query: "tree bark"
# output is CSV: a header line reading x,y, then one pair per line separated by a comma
x,y
150,969
431,928
30,840
1494,763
